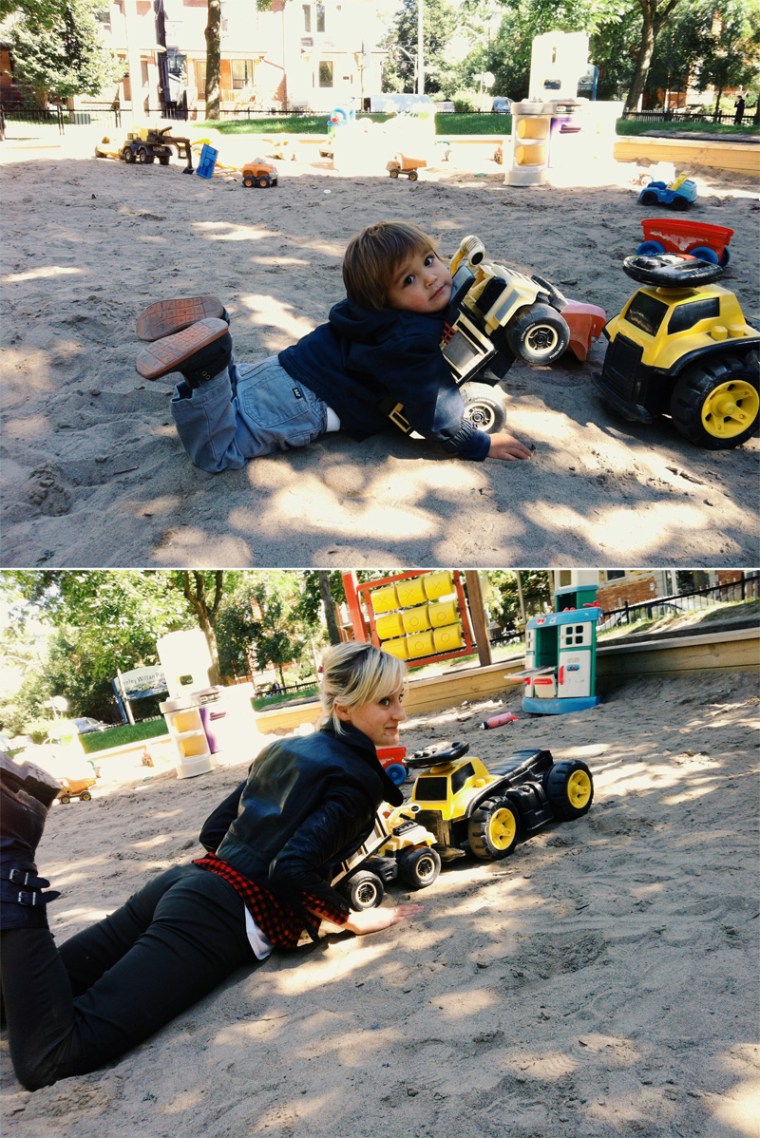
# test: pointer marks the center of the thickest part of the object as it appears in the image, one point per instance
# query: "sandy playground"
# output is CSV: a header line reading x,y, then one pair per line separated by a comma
x,y
599,983
94,475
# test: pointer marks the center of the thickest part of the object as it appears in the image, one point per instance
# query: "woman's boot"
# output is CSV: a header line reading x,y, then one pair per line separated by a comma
x,y
26,793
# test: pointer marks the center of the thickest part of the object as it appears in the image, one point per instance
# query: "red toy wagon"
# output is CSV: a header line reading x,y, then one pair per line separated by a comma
x,y
697,238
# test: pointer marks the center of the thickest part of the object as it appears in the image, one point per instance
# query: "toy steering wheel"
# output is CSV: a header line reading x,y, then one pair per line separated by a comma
x,y
671,270
443,753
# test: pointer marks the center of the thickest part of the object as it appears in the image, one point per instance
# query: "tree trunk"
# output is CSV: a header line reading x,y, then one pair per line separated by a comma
x,y
328,605
194,590
213,59
644,58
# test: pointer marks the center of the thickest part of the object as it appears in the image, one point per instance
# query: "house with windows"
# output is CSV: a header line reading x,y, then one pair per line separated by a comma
x,y
619,587
297,56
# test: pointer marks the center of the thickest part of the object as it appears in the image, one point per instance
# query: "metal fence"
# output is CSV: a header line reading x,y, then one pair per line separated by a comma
x,y
722,118
748,588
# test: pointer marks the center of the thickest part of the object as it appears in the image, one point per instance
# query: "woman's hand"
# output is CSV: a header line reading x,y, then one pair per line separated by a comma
x,y
373,920
507,447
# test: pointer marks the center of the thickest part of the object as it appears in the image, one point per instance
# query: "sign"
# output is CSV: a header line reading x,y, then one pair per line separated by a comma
x,y
142,682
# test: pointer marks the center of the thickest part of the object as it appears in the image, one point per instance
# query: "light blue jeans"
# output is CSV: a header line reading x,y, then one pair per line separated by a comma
x,y
244,412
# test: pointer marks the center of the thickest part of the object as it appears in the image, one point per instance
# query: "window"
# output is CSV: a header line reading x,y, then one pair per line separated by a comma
x,y
614,574
687,315
326,73
199,75
242,73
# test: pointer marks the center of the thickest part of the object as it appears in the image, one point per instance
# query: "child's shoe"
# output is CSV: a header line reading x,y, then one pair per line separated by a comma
x,y
200,352
166,317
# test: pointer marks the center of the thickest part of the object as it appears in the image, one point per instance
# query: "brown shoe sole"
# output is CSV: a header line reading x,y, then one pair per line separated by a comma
x,y
168,354
166,317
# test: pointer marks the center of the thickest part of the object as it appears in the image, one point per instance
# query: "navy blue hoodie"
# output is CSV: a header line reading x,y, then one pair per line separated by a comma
x,y
365,364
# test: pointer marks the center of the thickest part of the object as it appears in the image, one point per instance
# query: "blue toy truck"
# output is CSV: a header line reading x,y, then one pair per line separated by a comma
x,y
678,194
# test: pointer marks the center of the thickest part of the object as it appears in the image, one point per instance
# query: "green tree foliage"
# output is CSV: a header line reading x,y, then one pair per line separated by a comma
x,y
440,23
267,619
69,58
512,596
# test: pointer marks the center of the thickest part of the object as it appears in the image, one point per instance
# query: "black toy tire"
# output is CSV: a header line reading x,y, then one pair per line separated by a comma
x,y
413,175
539,335
419,868
163,159
393,173
493,829
85,796
65,798
363,890
249,183
648,197
143,156
264,182
128,155
570,789
485,406
707,390
680,203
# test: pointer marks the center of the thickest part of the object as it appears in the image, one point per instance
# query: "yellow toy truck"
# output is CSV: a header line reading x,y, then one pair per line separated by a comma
x,y
682,347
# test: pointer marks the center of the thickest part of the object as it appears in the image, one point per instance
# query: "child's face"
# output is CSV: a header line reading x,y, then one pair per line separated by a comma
x,y
421,284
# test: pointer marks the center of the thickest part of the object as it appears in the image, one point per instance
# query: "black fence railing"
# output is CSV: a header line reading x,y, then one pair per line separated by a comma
x,y
723,118
748,588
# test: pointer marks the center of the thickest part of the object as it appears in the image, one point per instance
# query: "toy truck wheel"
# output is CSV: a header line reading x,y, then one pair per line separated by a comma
x,y
163,159
65,798
570,789
705,253
538,335
413,175
715,404
363,890
493,829
419,868
144,156
648,197
485,406
265,181
85,796
393,172
128,154
679,202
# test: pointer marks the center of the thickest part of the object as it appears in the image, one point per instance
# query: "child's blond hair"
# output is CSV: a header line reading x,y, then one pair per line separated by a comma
x,y
375,255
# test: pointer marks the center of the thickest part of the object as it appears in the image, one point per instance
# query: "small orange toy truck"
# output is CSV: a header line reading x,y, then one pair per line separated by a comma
x,y
260,173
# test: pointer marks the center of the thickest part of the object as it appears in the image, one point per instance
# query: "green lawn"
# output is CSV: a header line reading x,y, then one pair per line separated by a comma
x,y
450,125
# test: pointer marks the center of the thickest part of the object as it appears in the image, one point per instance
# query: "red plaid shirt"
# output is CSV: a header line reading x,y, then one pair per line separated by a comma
x,y
280,924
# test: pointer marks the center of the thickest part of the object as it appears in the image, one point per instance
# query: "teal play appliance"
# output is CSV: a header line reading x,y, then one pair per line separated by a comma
x,y
560,654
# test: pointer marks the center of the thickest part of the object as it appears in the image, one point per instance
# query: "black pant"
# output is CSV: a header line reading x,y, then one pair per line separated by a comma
x,y
72,1010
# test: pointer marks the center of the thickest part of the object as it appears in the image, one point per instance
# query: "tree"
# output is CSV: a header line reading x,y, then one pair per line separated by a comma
x,y
440,22
69,58
654,14
213,59
515,595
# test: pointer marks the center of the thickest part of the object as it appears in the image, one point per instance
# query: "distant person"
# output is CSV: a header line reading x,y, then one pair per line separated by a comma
x,y
273,847
739,113
376,361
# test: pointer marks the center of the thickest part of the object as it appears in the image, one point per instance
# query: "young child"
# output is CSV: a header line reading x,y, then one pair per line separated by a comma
x,y
378,358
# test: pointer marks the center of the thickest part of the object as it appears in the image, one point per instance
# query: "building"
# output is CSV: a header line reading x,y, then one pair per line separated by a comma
x,y
295,57
619,587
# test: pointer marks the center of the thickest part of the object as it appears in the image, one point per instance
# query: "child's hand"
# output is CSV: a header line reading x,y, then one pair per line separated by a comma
x,y
507,447
374,920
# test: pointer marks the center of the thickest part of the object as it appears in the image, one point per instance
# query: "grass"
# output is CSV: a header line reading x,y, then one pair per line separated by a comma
x,y
451,125
119,736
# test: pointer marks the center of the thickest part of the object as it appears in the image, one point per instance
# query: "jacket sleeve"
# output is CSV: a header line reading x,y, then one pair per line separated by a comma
x,y
432,403
219,820
338,824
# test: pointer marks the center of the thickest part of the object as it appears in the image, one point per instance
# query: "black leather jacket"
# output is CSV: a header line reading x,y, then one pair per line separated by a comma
x,y
307,803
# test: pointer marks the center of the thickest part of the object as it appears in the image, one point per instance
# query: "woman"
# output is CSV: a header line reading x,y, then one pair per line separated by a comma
x,y
306,804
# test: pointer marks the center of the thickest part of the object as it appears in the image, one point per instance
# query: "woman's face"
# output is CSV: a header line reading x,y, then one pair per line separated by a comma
x,y
379,720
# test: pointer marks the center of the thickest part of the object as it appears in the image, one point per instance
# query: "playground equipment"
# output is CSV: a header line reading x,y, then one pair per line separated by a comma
x,y
560,655
676,235
682,347
186,660
418,616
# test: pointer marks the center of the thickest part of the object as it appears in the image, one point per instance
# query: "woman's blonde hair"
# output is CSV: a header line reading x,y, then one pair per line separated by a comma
x,y
355,674
374,257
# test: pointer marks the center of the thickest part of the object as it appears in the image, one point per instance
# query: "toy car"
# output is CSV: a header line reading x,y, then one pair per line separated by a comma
x,y
259,173
146,145
403,164
678,194
76,788
676,235
681,347
398,848
479,810
505,313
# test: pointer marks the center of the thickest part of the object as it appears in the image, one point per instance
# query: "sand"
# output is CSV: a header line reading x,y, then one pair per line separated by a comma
x,y
94,474
599,982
